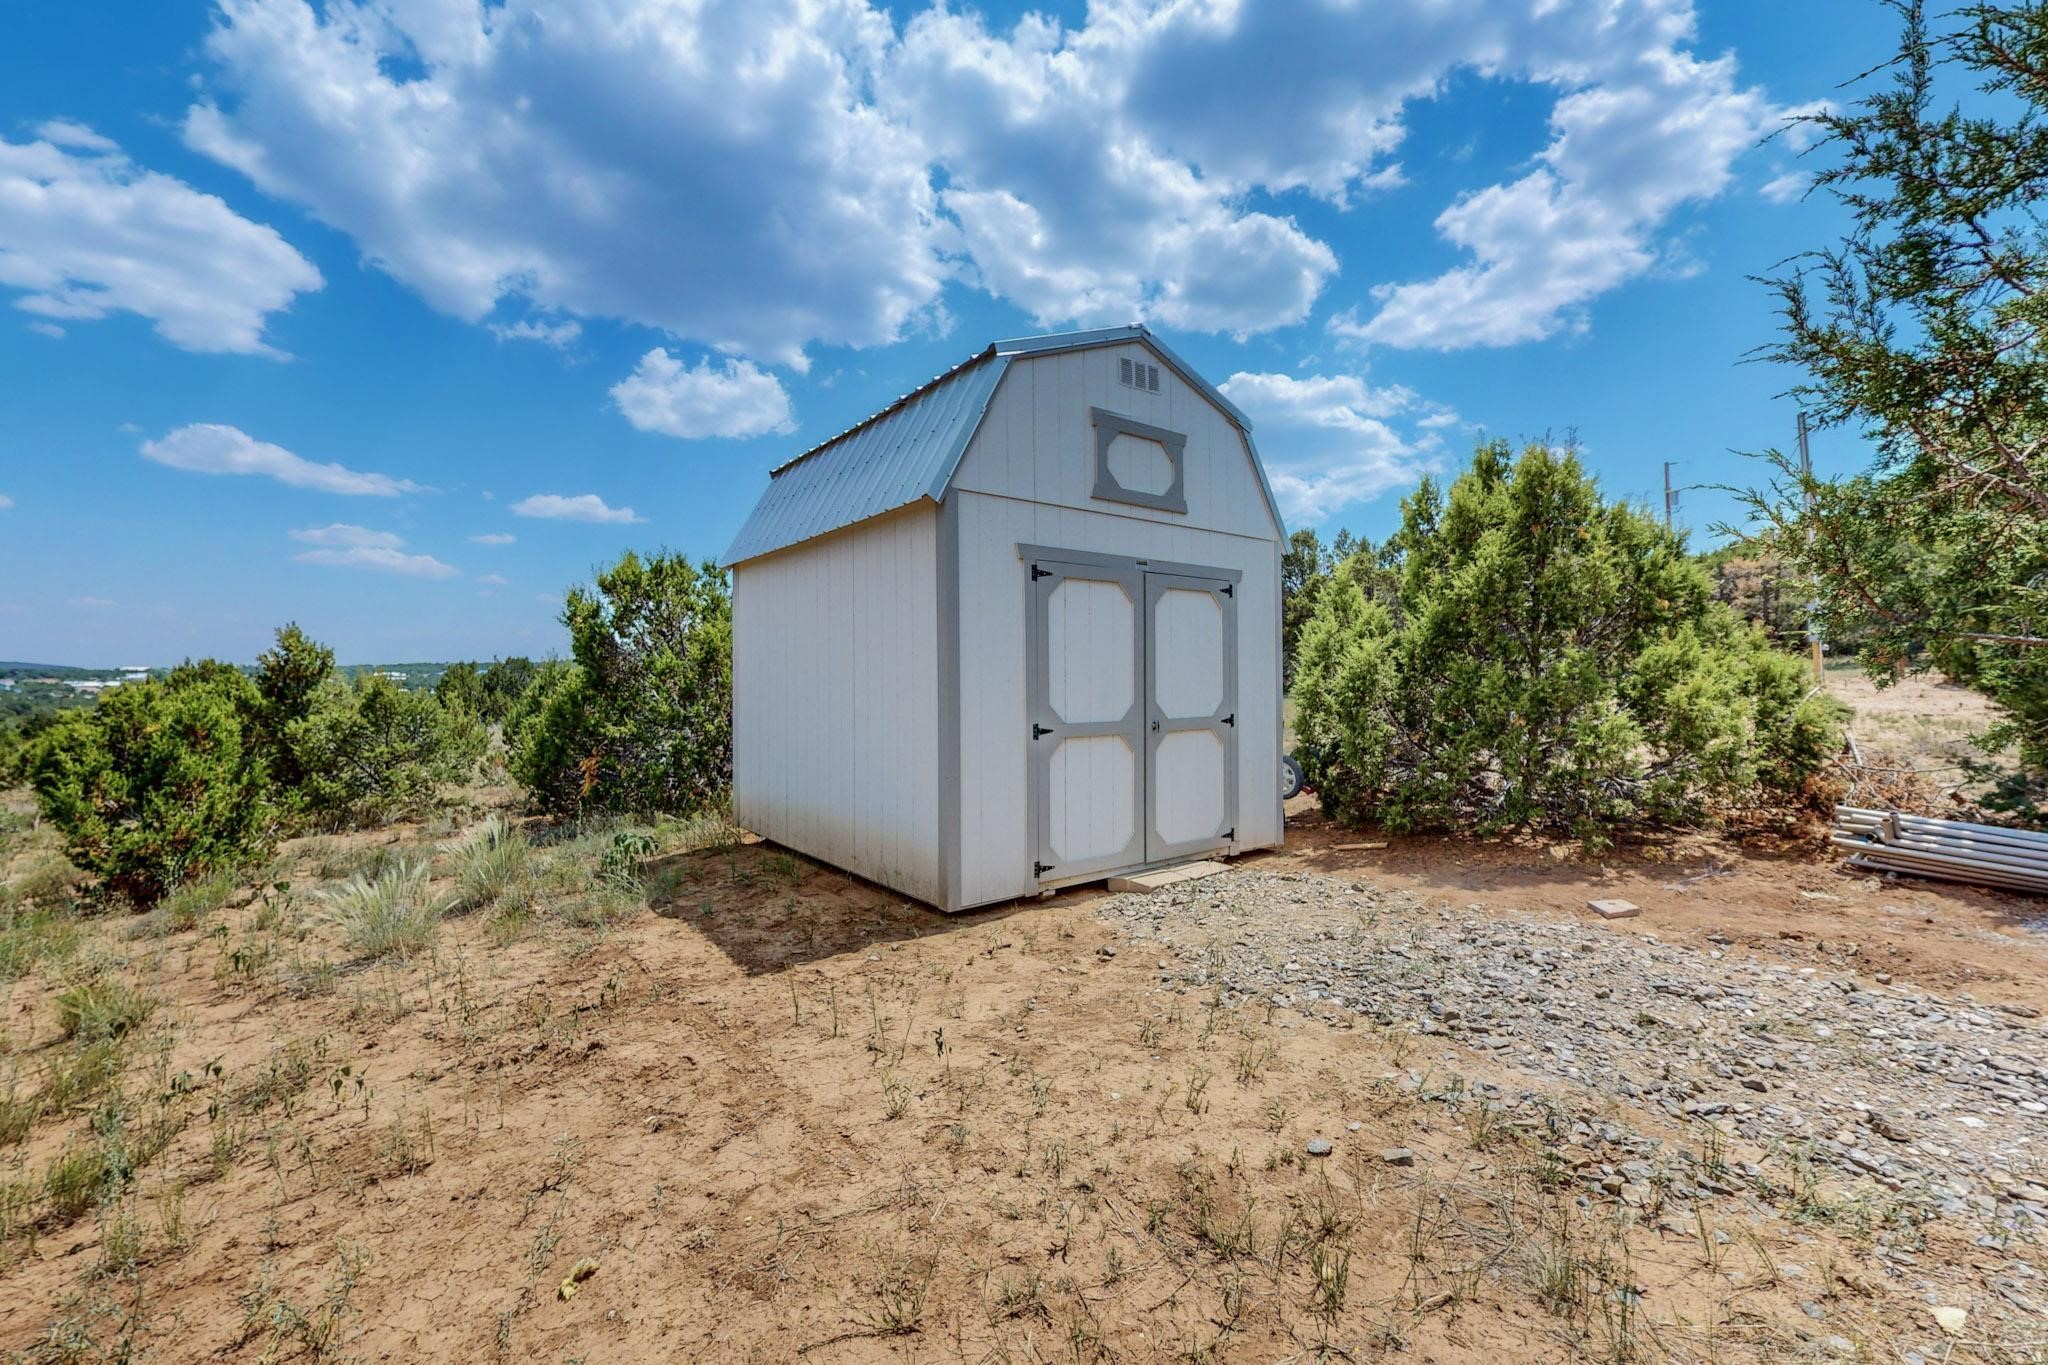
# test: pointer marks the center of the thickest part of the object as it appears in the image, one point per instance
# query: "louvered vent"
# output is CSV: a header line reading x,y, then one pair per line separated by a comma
x,y
1134,374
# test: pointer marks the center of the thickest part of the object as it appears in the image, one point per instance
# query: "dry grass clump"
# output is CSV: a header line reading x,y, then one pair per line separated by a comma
x,y
104,1008
191,905
494,868
385,914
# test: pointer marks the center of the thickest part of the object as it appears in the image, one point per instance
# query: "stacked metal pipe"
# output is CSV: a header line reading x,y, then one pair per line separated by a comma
x,y
1956,850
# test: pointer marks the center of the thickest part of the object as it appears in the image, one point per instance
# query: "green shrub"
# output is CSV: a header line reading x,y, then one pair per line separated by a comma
x,y
1523,653
386,915
159,783
289,675
375,751
644,722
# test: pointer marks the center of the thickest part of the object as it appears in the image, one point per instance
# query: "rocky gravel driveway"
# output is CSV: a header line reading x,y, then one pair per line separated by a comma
x,y
1940,1102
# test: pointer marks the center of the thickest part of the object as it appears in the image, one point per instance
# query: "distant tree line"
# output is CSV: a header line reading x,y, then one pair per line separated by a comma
x,y
203,770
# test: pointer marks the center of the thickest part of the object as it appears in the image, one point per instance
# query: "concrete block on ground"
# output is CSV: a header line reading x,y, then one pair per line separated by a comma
x,y
1166,876
1615,909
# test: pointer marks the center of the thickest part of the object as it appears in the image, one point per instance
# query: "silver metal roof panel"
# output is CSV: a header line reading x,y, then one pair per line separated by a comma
x,y
888,461
911,449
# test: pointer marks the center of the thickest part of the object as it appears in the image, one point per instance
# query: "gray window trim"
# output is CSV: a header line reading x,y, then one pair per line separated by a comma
x,y
1103,561
1110,425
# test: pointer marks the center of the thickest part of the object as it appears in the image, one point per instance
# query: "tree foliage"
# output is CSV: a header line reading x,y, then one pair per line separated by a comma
x,y
160,783
1523,653
372,750
288,676
643,721
1923,329
1756,583
1304,569
487,691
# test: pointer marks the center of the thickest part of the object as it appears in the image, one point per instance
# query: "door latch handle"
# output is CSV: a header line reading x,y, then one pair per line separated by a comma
x,y
1155,727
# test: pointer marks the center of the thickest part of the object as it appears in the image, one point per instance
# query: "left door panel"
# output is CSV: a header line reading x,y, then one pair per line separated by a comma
x,y
1087,718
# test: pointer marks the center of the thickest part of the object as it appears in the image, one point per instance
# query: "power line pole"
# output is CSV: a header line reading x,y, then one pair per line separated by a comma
x,y
1812,603
1670,498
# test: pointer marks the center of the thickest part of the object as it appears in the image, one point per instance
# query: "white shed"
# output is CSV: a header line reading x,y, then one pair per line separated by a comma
x,y
1018,630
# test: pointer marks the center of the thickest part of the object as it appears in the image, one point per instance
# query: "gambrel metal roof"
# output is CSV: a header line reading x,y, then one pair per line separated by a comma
x,y
909,450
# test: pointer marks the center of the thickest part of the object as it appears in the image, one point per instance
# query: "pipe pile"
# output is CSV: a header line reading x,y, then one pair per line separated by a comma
x,y
1955,850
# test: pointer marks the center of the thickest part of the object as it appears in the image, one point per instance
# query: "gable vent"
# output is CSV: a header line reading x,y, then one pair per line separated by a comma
x,y
1133,374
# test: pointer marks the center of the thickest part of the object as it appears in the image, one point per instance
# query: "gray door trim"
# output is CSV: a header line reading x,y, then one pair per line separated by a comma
x,y
1222,722
1103,561
1045,731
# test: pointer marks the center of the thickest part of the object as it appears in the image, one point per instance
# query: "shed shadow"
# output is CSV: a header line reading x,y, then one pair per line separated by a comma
x,y
768,908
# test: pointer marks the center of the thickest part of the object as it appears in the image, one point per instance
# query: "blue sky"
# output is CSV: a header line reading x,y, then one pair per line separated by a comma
x,y
396,318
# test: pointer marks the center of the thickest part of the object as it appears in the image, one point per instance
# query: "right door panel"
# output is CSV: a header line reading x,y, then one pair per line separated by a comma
x,y
1191,706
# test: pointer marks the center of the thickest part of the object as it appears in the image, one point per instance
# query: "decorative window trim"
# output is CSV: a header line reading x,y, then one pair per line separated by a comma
x,y
1109,426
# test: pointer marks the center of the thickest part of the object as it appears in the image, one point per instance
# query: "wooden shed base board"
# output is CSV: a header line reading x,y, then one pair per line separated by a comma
x,y
1160,877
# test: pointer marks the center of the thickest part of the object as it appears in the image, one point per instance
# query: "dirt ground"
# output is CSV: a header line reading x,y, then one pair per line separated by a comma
x,y
1920,724
759,1110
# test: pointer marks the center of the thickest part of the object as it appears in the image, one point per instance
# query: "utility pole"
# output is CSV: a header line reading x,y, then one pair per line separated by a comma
x,y
1812,603
1670,497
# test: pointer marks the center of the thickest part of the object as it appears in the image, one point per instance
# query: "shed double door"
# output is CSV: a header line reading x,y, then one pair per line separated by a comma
x,y
1132,692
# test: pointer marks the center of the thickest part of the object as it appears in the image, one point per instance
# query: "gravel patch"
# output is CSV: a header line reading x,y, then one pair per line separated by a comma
x,y
1937,1100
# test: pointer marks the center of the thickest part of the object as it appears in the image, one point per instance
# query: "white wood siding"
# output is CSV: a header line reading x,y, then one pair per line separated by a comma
x,y
1037,443
836,683
995,826
1028,477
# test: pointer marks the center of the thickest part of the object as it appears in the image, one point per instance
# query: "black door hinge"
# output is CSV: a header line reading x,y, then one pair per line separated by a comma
x,y
1231,720
1229,590
1230,835
1038,573
1040,731
1040,869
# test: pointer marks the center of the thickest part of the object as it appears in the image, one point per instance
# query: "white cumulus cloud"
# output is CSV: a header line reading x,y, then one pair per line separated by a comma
x,y
84,233
1328,441
560,335
734,399
716,170
1651,133
380,558
758,178
493,538
348,536
581,507
212,448
344,546
5,502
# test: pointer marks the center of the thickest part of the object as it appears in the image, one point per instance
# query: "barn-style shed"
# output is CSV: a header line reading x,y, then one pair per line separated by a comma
x,y
1019,629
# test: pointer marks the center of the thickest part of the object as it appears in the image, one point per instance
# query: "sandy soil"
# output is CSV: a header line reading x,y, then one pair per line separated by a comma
x,y
780,1114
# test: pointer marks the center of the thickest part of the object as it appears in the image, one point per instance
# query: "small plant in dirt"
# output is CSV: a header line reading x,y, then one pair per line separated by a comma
x,y
389,914
373,751
1525,653
160,783
102,1009
191,904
